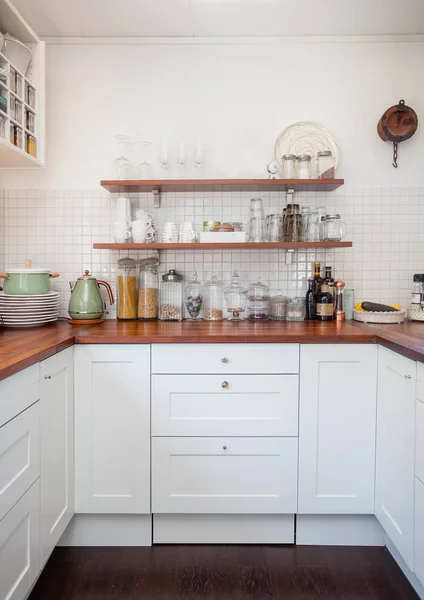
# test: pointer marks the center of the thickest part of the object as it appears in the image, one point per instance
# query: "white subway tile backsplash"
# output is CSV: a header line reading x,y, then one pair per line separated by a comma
x,y
57,228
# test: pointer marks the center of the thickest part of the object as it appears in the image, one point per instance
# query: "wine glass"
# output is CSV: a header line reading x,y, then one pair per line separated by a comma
x,y
199,154
122,165
182,154
164,155
145,168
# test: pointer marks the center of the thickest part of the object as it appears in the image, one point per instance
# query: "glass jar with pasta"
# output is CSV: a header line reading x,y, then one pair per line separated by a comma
x,y
127,289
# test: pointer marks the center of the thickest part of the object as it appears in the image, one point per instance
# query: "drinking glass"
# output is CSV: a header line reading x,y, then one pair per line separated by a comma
x,y
274,228
145,168
313,230
122,165
199,154
305,221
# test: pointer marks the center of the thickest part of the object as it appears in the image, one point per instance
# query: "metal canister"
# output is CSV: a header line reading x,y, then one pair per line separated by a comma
x,y
209,225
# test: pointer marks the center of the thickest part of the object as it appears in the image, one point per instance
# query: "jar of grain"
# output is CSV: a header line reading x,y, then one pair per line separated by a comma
x,y
171,297
127,289
148,294
278,307
213,307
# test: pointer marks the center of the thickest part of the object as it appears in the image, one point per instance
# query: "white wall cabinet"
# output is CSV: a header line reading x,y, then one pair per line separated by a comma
x,y
224,475
394,498
57,448
112,428
337,429
20,546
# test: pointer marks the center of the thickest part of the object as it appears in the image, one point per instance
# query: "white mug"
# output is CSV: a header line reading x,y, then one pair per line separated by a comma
x,y
121,231
142,215
123,209
147,238
142,225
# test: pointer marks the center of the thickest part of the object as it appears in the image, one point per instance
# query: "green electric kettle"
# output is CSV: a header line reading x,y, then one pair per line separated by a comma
x,y
86,303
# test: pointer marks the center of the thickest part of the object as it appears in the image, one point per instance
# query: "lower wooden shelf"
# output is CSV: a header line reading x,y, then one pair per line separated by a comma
x,y
223,245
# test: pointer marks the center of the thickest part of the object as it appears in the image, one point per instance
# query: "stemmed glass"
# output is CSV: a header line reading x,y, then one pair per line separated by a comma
x,y
199,154
164,155
145,168
122,165
182,154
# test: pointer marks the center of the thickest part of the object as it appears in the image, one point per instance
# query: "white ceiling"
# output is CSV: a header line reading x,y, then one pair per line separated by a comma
x,y
204,18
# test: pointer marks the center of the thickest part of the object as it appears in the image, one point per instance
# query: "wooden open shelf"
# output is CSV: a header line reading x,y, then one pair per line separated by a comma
x,y
224,245
235,185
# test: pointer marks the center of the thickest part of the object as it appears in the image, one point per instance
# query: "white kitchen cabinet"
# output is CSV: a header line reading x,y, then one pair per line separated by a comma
x,y
338,389
419,440
20,546
19,457
214,405
112,428
225,358
18,392
394,498
224,475
419,530
57,448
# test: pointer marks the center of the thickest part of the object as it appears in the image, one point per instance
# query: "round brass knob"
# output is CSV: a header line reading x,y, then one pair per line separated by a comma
x,y
225,360
225,384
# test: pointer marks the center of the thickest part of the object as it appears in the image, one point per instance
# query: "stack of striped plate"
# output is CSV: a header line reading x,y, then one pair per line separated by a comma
x,y
28,311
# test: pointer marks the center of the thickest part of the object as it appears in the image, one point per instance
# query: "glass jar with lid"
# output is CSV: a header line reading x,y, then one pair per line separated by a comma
x,y
214,300
303,163
235,298
288,162
127,289
333,229
193,298
278,306
258,301
171,297
148,292
296,309
325,165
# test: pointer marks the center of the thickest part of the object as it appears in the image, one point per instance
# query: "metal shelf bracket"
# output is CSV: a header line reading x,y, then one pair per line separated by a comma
x,y
156,198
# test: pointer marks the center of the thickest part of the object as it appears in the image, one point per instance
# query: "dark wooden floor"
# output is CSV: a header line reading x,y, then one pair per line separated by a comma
x,y
221,572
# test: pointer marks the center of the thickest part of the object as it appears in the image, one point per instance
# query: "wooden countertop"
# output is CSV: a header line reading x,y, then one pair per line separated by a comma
x,y
21,348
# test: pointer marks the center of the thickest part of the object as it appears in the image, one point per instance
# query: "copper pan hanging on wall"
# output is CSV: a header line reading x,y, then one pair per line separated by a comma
x,y
398,124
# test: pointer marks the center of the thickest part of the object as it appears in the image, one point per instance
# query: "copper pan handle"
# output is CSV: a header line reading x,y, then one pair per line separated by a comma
x,y
54,275
4,276
109,290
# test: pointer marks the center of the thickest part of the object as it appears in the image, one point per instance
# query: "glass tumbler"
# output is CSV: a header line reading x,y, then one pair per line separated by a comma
x,y
274,228
257,229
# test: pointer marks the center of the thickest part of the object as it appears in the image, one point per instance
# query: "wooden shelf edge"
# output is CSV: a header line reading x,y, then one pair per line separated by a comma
x,y
116,185
223,245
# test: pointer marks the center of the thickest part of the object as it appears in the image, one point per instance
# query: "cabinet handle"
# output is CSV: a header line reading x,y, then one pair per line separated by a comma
x,y
47,376
224,447
408,376
400,374
225,360
225,385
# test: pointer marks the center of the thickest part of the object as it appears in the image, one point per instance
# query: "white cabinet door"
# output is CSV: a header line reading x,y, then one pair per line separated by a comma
x,y
419,530
19,457
112,428
250,405
338,389
57,448
419,440
20,546
224,475
394,497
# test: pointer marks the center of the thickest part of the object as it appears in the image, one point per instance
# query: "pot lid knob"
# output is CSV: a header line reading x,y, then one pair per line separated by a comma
x,y
86,275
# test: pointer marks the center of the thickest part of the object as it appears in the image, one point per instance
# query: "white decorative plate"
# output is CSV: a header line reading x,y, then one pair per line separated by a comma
x,y
22,297
306,137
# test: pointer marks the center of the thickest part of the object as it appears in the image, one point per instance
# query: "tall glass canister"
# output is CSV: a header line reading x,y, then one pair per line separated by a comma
x,y
127,289
171,297
148,294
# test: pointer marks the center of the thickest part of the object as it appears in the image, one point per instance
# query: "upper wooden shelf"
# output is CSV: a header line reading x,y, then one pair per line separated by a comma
x,y
216,185
223,245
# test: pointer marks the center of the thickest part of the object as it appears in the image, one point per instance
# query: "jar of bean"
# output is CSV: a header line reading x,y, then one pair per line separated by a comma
x,y
296,309
278,308
258,301
171,297
148,293
213,308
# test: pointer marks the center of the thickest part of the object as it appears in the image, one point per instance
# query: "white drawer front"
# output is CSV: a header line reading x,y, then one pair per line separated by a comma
x,y
19,457
20,546
419,441
225,358
18,392
250,405
224,475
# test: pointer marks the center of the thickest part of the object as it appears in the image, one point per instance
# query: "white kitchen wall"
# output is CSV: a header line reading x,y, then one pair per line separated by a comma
x,y
236,97
58,228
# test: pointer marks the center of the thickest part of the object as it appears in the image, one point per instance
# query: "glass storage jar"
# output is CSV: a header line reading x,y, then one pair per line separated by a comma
x,y
214,300
296,309
278,306
127,289
325,165
235,298
193,298
333,229
303,166
148,293
288,162
258,301
171,297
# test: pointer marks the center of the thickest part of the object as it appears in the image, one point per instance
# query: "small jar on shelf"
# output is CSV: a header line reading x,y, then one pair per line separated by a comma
x,y
18,85
325,165
303,162
18,111
235,297
127,289
2,127
214,300
288,162
258,301
3,101
148,293
193,298
18,138
12,79
30,121
30,96
278,306
296,309
31,145
171,297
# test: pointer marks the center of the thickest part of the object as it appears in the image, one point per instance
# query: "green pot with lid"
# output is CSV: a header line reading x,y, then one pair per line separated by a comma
x,y
27,281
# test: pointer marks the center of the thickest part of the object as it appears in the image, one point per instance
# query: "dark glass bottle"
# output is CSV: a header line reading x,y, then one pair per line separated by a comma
x,y
311,305
325,306
317,277
329,280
